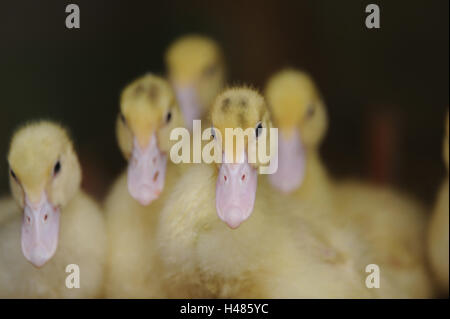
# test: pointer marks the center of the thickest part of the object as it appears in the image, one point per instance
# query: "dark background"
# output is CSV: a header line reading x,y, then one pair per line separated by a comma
x,y
386,89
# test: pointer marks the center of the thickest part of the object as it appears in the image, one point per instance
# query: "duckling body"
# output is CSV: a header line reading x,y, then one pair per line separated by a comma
x,y
438,233
266,257
393,225
82,233
438,238
134,269
383,226
148,113
318,186
274,253
389,225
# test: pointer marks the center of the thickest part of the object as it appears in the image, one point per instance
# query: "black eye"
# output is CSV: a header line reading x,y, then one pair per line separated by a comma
x,y
13,174
122,118
311,111
57,168
168,117
210,70
258,129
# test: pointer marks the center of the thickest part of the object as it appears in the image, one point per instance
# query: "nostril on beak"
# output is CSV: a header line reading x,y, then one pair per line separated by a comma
x,y
243,177
45,217
28,219
225,177
155,177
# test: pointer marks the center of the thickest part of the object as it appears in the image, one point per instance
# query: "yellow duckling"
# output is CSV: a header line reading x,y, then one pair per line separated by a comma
x,y
438,229
299,114
223,233
148,113
197,71
58,226
389,223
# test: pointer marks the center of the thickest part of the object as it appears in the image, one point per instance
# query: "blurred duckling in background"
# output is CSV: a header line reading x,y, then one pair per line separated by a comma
x,y
53,225
438,236
299,114
224,233
197,72
148,113
391,223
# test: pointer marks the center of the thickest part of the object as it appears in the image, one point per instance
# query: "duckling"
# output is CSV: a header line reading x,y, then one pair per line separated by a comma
x,y
53,224
438,229
388,222
196,70
300,116
223,233
148,113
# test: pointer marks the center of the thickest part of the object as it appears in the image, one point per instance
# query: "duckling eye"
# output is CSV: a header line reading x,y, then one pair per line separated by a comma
x,y
210,70
13,175
168,117
311,111
258,129
122,118
57,168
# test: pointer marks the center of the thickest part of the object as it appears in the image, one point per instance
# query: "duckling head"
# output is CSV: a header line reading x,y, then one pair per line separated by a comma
x,y
148,112
197,72
44,176
445,148
244,110
300,115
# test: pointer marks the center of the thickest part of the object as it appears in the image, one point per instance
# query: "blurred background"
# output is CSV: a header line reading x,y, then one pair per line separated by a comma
x,y
387,89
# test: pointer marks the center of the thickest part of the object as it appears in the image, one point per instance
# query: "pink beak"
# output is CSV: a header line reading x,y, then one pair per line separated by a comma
x,y
189,104
146,172
291,163
235,192
40,231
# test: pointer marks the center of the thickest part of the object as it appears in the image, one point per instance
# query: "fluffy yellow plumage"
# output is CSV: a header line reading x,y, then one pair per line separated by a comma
x,y
389,223
35,148
145,105
295,99
191,54
237,107
299,111
133,270
276,253
250,112
53,144
438,233
196,70
445,144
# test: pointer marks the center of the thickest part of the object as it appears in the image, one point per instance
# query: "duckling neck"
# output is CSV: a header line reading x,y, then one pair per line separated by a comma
x,y
317,182
73,217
